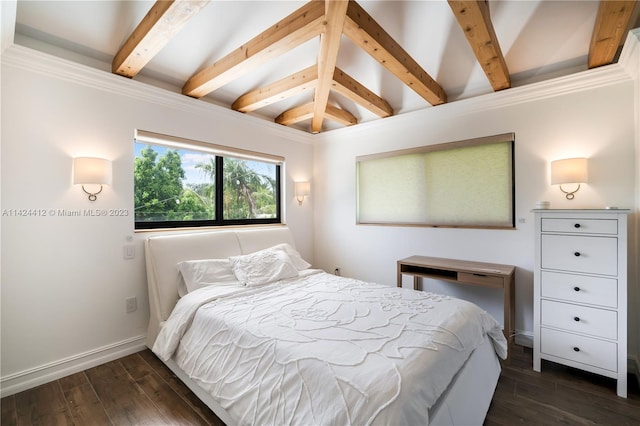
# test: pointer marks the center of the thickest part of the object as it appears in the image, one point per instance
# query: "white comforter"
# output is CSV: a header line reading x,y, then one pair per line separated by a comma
x,y
324,350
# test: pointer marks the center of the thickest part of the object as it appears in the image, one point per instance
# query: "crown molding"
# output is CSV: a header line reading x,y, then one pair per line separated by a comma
x,y
630,55
626,69
42,63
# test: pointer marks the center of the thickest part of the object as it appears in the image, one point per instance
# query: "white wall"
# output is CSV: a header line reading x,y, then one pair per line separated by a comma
x,y
565,118
64,279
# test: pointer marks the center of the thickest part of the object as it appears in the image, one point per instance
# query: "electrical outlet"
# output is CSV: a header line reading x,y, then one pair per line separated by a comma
x,y
131,304
336,271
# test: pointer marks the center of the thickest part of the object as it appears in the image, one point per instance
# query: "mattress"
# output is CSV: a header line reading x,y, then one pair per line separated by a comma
x,y
330,350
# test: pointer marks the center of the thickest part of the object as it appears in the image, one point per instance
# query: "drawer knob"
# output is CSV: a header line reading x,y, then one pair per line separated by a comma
x,y
577,349
576,254
576,288
576,319
577,225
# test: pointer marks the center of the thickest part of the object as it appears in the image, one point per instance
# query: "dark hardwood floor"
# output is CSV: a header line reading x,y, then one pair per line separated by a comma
x,y
139,389
135,390
558,395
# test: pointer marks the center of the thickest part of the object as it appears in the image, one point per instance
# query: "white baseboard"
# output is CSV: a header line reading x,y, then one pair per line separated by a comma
x,y
40,375
523,338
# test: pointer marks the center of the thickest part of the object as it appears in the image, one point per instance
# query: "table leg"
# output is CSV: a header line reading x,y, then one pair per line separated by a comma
x,y
509,309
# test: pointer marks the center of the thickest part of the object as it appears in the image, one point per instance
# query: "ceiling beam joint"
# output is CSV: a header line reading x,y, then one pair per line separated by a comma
x,y
335,15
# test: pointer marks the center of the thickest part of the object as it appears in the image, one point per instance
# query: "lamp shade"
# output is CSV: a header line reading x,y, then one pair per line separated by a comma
x,y
569,170
90,170
302,189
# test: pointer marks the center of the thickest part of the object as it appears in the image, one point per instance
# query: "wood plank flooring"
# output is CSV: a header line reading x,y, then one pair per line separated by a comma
x,y
558,395
135,390
140,390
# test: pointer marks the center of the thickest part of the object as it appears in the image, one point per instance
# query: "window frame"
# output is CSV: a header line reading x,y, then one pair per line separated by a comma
x,y
220,152
475,142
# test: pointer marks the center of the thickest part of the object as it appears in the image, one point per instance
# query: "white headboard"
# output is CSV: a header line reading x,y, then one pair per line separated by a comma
x,y
162,254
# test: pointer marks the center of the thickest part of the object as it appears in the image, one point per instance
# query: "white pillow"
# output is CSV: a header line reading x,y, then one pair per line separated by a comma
x,y
295,257
201,273
262,267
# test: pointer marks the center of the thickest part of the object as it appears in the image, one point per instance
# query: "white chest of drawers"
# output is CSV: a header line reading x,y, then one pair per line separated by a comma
x,y
580,291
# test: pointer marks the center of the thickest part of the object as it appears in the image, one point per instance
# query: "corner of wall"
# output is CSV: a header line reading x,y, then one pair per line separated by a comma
x,y
630,61
7,22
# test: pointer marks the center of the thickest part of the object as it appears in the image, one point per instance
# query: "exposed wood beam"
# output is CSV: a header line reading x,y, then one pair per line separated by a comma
x,y
474,18
371,37
163,21
308,79
356,92
277,91
335,14
340,115
305,112
611,26
297,28
296,114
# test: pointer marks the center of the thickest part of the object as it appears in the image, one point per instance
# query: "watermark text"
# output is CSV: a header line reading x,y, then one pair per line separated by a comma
x,y
51,212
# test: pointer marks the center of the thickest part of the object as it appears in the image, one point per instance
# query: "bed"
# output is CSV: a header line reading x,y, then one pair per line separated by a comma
x,y
262,338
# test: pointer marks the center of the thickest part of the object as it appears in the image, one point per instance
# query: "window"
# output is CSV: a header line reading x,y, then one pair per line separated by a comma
x,y
458,184
184,183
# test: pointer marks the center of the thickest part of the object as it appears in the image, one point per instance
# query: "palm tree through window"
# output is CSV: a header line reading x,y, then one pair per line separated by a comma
x,y
176,187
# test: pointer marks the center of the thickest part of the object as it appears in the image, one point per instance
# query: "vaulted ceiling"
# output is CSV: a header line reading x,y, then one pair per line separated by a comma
x,y
320,65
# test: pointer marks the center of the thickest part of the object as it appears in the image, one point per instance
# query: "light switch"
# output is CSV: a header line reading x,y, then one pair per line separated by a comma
x,y
129,251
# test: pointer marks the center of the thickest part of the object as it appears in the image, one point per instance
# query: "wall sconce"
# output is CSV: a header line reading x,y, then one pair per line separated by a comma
x,y
91,171
302,190
569,170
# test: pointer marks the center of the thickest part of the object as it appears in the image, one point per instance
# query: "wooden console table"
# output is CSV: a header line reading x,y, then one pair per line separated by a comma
x,y
465,272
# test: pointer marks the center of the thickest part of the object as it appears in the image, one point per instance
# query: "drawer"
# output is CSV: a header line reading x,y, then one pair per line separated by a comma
x,y
482,279
580,288
585,350
580,319
593,255
580,226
